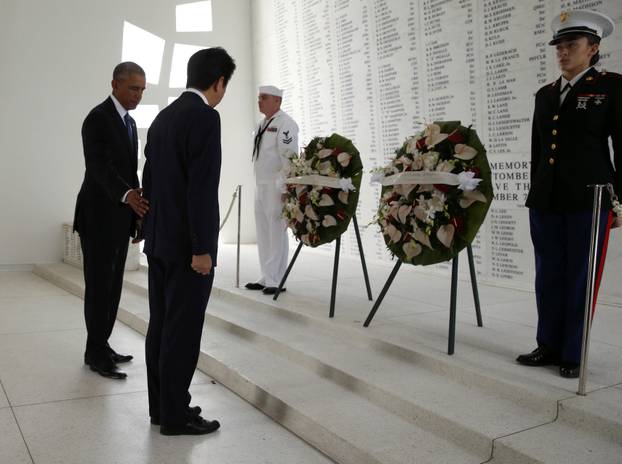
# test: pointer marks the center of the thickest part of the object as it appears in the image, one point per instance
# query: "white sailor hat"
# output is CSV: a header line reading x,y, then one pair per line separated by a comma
x,y
270,90
583,22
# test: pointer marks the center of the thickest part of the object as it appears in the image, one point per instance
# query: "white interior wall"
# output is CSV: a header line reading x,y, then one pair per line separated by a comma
x,y
57,61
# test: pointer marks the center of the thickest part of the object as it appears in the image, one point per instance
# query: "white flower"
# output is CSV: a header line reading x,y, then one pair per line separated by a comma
x,y
310,213
445,234
411,249
394,234
325,167
468,181
417,163
421,237
305,239
326,200
471,196
411,145
420,213
464,152
343,197
433,135
324,153
344,158
403,212
430,160
329,221
405,189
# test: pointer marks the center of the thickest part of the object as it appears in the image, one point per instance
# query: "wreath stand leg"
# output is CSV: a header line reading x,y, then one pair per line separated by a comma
x,y
478,311
289,268
384,291
454,298
362,255
333,290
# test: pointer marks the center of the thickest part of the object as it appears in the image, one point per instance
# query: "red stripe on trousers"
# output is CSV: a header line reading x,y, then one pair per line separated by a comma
x,y
601,263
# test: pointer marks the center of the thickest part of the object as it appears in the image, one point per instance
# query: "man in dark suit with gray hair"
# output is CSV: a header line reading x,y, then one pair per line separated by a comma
x,y
108,209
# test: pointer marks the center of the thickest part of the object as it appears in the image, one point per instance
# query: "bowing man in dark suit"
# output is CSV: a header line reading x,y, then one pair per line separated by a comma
x,y
180,178
108,208
573,121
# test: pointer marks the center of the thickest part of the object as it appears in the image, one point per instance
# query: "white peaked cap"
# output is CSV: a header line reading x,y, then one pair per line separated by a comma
x,y
270,90
581,22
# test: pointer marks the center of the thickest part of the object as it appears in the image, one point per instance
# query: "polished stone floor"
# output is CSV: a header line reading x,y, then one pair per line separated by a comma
x,y
54,410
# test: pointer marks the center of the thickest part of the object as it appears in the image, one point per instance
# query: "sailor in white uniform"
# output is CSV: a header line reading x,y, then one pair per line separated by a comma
x,y
276,140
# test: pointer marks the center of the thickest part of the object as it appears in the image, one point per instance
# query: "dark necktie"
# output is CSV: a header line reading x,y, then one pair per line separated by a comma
x,y
130,128
258,136
564,92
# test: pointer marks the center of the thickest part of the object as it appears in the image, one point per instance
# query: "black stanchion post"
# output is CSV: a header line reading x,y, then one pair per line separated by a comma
x,y
452,306
384,291
478,310
362,255
333,290
289,268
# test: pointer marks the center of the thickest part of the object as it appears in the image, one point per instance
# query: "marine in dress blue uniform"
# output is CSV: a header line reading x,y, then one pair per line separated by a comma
x,y
574,119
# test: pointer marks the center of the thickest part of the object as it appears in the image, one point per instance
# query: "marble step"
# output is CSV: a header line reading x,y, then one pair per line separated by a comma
x,y
359,399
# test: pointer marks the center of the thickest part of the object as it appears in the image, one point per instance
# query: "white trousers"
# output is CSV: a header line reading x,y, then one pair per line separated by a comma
x,y
272,241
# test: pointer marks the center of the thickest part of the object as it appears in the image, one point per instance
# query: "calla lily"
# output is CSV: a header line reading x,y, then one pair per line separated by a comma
x,y
393,209
464,152
310,213
405,189
300,189
471,196
421,237
344,158
329,221
343,197
324,153
403,213
445,234
420,213
433,135
326,200
310,226
411,249
394,234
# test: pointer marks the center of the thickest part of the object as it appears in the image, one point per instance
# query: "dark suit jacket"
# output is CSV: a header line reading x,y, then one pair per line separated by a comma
x,y
570,144
111,163
180,179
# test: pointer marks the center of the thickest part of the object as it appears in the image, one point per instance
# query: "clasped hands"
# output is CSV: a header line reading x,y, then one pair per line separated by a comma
x,y
136,201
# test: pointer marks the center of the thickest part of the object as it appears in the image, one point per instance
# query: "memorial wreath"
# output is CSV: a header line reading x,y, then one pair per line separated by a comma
x,y
435,194
321,189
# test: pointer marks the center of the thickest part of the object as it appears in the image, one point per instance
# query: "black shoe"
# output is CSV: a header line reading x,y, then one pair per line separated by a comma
x,y
197,426
120,358
107,370
541,356
192,412
254,286
569,370
272,290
